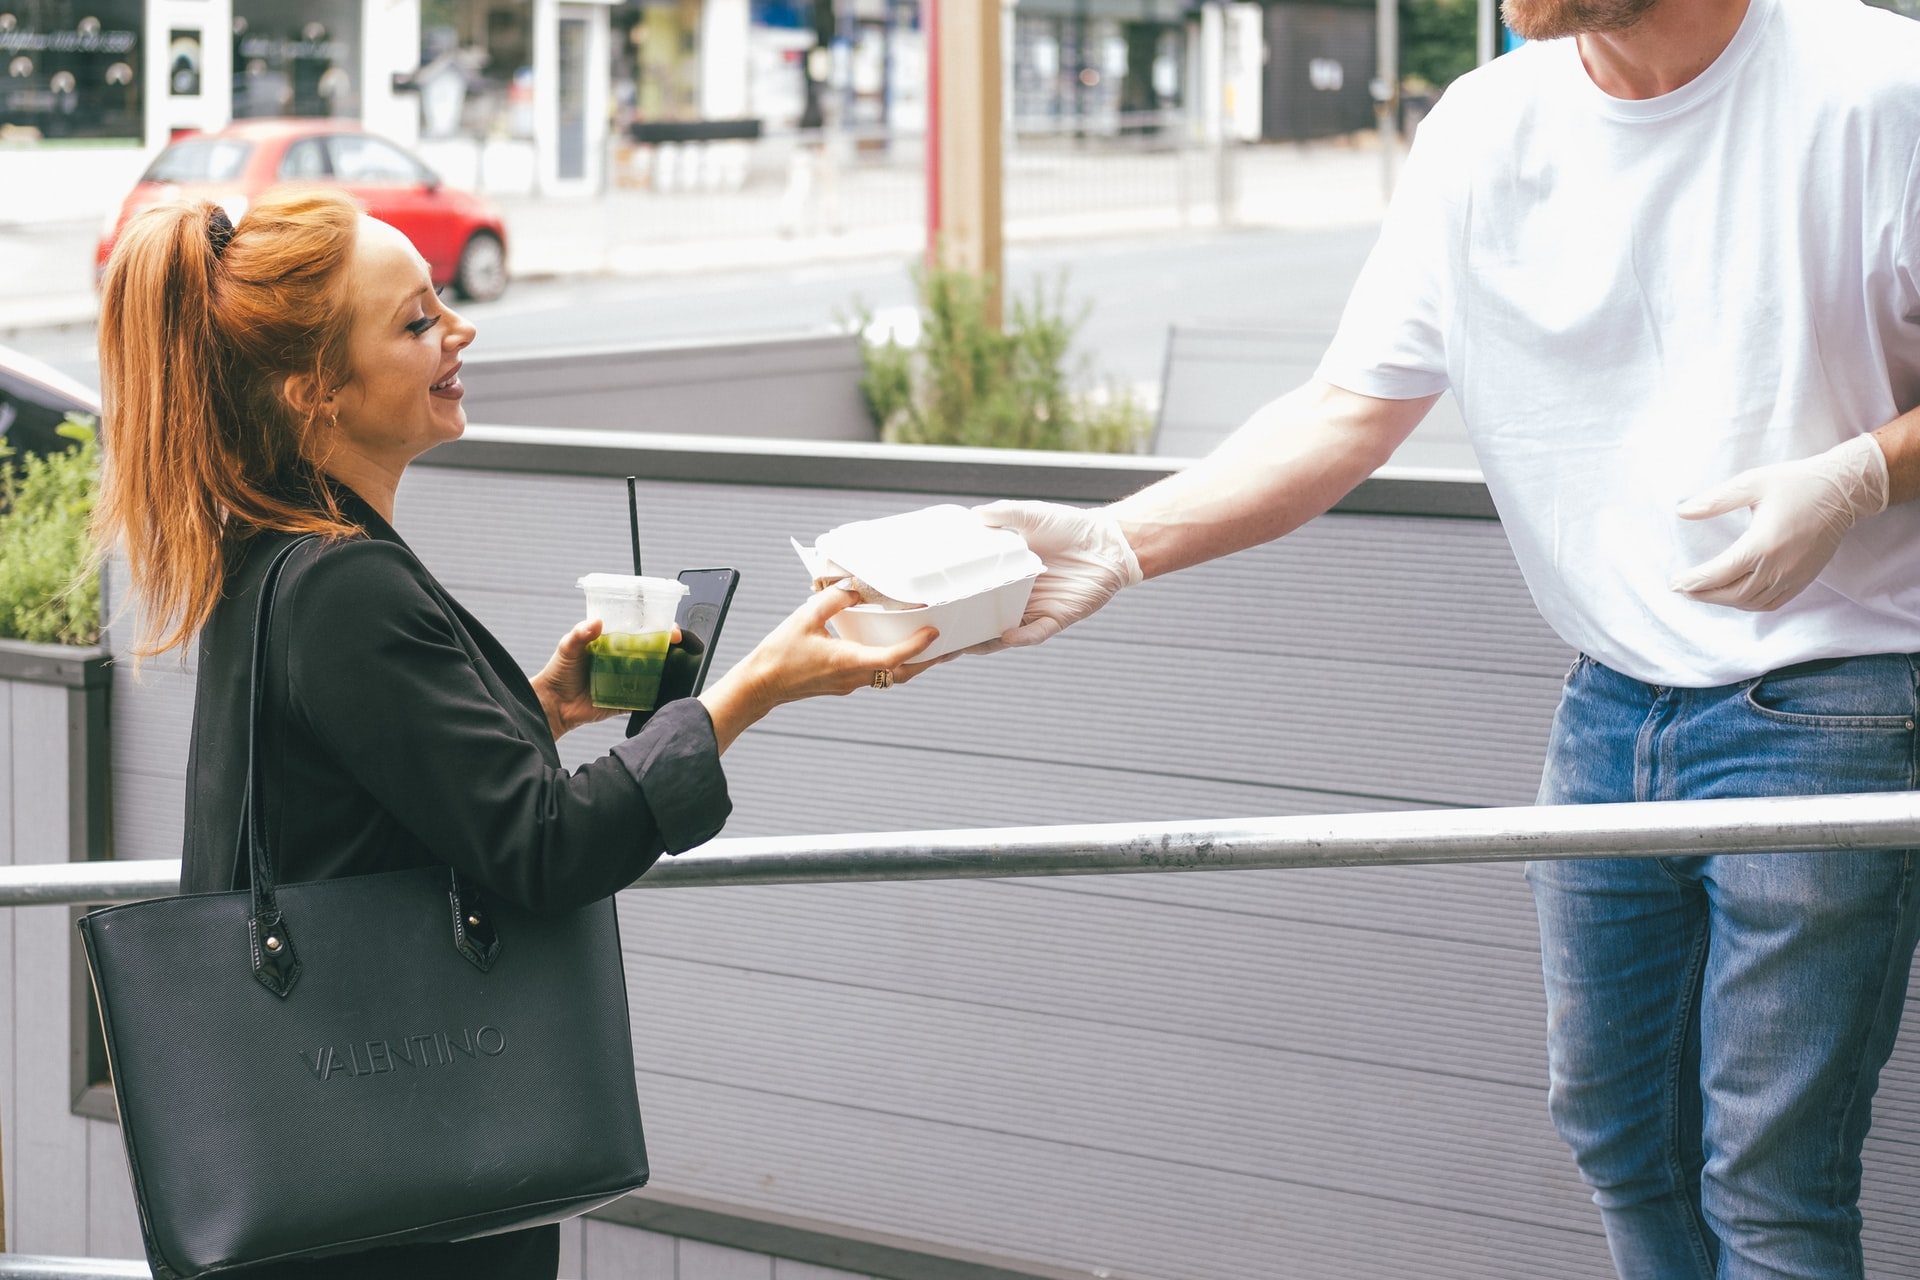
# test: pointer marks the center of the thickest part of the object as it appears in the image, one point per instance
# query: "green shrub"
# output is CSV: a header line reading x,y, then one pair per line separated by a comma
x,y
968,383
49,588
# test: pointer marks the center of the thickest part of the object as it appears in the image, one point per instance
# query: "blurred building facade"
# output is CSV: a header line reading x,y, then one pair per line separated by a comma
x,y
539,96
509,95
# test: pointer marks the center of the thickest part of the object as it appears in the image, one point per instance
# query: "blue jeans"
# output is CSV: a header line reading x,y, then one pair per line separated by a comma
x,y
1716,1025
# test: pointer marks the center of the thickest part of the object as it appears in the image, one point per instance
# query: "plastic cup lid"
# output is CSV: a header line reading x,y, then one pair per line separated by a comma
x,y
627,586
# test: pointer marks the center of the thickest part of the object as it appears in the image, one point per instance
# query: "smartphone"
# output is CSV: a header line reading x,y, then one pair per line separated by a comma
x,y
702,612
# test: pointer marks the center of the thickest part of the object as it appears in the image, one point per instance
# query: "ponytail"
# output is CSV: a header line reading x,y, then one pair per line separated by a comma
x,y
201,327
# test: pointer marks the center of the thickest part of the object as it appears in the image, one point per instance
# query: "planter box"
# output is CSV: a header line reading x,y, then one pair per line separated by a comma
x,y
65,1176
799,388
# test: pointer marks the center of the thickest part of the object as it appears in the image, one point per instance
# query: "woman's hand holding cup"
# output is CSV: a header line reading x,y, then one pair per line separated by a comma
x,y
565,685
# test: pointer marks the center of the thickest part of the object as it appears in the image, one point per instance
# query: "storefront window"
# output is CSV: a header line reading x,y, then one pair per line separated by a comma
x,y
1094,76
779,38
296,59
1068,74
656,61
476,68
70,69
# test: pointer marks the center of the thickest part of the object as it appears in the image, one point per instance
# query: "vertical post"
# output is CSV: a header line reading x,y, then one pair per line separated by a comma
x,y
1213,71
725,54
1386,87
1489,31
1008,133
969,110
1213,96
930,25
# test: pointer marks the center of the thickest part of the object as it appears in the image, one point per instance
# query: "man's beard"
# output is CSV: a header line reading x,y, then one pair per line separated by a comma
x,y
1555,19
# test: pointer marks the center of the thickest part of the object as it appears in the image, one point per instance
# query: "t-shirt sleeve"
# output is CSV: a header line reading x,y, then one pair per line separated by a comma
x,y
1391,343
380,676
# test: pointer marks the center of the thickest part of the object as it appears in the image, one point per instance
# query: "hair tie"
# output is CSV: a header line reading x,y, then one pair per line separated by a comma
x,y
219,231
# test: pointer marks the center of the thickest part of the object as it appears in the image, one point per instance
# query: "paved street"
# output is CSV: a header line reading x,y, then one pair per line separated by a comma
x,y
1130,288
1135,287
868,212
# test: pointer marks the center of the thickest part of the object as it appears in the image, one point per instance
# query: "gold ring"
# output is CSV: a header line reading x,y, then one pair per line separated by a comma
x,y
882,679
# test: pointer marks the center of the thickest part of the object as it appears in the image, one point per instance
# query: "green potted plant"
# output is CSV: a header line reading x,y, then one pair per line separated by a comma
x,y
49,585
966,382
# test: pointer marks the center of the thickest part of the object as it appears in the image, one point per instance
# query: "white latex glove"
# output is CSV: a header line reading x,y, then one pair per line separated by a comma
x,y
1088,562
1801,511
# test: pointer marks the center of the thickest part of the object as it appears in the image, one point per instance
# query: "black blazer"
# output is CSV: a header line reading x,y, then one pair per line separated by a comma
x,y
399,733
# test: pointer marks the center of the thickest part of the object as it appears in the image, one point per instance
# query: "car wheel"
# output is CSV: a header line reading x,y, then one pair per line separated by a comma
x,y
481,275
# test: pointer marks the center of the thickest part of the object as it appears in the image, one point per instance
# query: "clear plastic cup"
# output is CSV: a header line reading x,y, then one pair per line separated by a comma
x,y
636,626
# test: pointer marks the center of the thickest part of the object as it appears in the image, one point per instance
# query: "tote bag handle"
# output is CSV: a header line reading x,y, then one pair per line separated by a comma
x,y
269,941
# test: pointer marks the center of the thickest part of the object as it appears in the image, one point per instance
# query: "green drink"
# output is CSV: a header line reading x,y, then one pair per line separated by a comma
x,y
636,624
626,668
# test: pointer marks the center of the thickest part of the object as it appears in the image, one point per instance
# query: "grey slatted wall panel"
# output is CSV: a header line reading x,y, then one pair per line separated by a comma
x,y
113,1221
1000,1065
1228,637
1218,374
152,724
47,1200
1314,1074
809,385
9,969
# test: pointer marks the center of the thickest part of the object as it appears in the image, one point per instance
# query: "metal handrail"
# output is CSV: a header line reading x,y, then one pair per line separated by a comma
x,y
1674,828
1677,828
29,1266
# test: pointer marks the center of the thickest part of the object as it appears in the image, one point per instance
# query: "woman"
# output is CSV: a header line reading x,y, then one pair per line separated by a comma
x,y
273,380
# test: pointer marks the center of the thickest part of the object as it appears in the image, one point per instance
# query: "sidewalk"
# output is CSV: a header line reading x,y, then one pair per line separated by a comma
x,y
863,212
879,211
46,275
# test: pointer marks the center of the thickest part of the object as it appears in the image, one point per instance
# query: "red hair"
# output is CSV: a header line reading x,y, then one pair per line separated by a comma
x,y
214,361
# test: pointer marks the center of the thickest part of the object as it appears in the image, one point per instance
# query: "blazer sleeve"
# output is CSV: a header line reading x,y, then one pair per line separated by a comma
x,y
377,671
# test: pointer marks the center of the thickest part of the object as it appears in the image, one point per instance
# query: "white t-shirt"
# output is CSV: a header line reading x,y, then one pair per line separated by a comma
x,y
1634,300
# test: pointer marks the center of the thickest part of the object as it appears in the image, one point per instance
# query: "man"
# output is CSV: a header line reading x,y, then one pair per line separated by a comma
x,y
1668,259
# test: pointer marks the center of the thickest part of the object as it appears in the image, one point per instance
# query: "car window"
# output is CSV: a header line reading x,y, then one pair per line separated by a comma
x,y
306,158
360,159
200,160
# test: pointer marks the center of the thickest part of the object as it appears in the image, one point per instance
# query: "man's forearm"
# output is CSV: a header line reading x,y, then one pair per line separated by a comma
x,y
1900,441
1292,460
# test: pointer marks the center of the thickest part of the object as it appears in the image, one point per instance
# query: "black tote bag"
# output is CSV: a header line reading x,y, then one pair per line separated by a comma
x,y
326,1067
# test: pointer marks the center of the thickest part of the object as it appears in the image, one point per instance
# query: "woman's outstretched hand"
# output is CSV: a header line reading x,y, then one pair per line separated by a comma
x,y
565,686
799,659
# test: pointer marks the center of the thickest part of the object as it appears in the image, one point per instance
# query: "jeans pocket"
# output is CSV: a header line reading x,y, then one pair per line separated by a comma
x,y
1876,692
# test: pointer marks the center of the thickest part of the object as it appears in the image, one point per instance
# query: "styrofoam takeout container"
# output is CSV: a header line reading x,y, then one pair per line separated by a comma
x,y
969,581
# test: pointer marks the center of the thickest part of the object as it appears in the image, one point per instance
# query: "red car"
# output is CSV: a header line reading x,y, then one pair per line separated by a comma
x,y
459,234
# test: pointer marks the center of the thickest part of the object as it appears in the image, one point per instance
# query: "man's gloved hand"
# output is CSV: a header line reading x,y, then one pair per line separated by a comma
x,y
1801,511
1088,562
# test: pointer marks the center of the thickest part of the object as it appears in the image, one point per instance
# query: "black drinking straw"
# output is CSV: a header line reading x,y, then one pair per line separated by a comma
x,y
633,523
